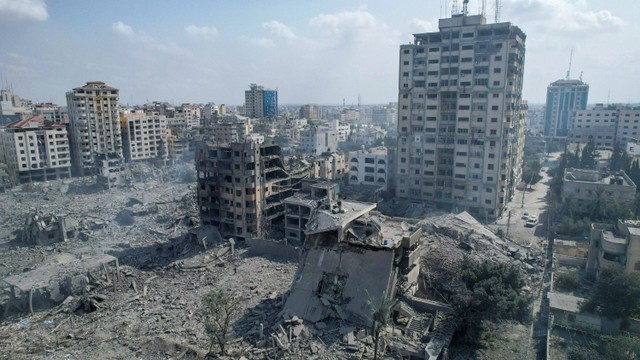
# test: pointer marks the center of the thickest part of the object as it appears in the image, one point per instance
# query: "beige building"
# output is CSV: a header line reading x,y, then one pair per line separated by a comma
x,y
614,246
606,125
35,150
144,136
309,111
317,140
369,167
94,127
581,186
241,188
461,115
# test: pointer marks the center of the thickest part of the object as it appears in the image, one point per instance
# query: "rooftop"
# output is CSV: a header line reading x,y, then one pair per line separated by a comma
x,y
95,85
594,176
564,302
334,218
32,121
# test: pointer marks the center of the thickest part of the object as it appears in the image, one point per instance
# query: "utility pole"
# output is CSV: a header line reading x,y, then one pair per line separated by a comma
x,y
508,224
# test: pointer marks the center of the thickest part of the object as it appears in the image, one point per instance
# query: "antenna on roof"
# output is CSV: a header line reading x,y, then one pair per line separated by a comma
x,y
570,59
483,8
465,9
454,7
498,6
581,75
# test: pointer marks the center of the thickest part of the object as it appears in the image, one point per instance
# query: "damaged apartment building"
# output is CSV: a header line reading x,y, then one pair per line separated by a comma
x,y
354,258
241,187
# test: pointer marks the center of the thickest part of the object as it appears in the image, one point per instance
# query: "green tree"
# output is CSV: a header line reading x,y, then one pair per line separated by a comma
x,y
590,155
220,309
620,160
380,316
616,294
568,280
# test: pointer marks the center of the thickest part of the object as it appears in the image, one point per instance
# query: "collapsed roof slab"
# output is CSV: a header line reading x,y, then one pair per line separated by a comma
x,y
341,280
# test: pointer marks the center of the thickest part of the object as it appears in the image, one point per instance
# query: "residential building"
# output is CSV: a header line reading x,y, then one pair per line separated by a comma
x,y
343,129
52,112
230,129
260,103
385,115
564,97
606,125
241,187
580,187
461,115
5,180
12,107
369,167
144,136
317,140
614,246
331,166
309,111
94,126
35,149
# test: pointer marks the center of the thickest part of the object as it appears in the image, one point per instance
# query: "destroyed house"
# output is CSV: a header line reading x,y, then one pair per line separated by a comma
x,y
351,258
241,187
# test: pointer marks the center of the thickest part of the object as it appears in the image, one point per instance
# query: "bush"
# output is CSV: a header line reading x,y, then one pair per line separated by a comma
x,y
568,280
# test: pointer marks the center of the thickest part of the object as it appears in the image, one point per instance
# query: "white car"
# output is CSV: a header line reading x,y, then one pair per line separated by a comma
x,y
532,221
525,216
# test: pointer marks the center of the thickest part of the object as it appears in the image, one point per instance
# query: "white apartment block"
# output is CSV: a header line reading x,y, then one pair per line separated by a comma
x,y
52,112
461,116
144,136
232,129
344,130
35,150
318,140
606,125
369,167
94,127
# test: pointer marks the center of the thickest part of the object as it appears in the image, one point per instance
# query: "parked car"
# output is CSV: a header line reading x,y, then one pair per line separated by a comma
x,y
532,221
525,216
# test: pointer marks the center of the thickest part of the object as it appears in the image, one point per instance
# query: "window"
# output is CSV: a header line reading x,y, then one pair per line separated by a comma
x,y
405,63
496,83
406,51
497,70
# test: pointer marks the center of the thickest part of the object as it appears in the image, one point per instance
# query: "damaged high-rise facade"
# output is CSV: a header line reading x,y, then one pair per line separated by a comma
x,y
461,115
241,188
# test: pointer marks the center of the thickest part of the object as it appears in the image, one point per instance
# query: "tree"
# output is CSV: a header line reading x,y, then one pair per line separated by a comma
x,y
590,155
492,292
380,315
620,160
616,294
220,309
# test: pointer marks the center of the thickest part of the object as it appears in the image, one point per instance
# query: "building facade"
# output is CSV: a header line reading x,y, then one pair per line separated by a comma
x,y
369,167
309,111
144,136
606,125
260,103
241,188
94,126
581,186
461,115
317,140
564,98
35,150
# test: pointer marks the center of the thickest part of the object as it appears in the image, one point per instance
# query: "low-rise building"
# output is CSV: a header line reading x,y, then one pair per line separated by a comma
x,y
369,167
318,140
614,246
581,186
35,150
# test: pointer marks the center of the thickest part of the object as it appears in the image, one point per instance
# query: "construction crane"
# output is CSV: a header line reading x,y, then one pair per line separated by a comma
x,y
498,6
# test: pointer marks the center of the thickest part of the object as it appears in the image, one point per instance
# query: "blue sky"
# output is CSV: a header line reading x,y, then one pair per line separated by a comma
x,y
311,51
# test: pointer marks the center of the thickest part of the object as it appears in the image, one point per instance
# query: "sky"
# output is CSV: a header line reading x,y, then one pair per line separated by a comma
x,y
322,52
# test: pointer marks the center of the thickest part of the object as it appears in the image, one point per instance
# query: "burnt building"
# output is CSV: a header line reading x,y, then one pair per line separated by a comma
x,y
241,188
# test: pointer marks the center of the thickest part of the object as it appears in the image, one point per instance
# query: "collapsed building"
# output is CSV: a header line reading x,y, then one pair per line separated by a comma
x,y
241,187
353,261
46,229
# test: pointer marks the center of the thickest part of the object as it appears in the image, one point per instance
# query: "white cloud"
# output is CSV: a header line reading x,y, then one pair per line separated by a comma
x,y
279,29
24,9
354,27
571,15
261,42
149,41
418,25
207,32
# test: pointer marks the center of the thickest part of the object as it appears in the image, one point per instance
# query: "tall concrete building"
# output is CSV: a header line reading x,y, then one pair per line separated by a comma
x,y
564,97
94,127
260,103
461,115
144,136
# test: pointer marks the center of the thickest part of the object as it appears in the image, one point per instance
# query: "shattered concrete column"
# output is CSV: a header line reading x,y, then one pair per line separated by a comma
x,y
232,244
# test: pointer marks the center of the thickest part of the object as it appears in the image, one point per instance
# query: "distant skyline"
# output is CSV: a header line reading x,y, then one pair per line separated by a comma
x,y
312,52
